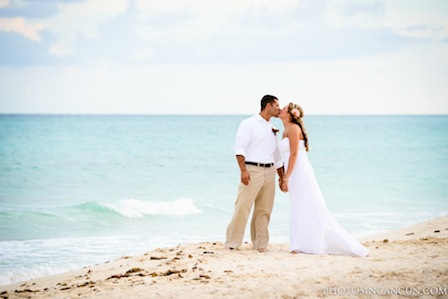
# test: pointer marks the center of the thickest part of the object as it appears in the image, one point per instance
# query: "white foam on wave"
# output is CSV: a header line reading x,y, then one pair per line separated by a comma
x,y
24,273
134,208
31,259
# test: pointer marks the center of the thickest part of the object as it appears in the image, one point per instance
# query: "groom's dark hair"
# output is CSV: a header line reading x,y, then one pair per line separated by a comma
x,y
266,100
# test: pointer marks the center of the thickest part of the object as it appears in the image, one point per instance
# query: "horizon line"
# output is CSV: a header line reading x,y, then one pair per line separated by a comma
x,y
213,114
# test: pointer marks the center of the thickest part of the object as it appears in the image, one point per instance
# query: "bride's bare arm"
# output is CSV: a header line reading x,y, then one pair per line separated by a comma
x,y
294,134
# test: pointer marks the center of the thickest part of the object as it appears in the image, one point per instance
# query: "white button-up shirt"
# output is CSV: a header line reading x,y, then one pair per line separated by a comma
x,y
256,141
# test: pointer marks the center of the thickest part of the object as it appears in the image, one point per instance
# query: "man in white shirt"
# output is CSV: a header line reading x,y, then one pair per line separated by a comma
x,y
258,156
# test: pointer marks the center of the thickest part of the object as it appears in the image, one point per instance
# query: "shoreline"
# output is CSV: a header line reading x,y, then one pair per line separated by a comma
x,y
415,257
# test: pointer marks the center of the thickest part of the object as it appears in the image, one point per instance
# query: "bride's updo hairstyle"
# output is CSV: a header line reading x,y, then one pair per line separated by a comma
x,y
297,114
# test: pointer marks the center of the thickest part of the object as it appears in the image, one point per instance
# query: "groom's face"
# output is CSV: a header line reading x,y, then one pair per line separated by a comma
x,y
275,108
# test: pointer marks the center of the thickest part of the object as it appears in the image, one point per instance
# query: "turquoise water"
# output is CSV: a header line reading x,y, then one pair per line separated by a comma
x,y
79,190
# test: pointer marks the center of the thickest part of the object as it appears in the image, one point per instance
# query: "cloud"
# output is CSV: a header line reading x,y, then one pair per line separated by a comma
x,y
4,3
35,9
360,14
128,56
411,18
200,7
97,7
406,82
20,26
245,31
59,50
249,31
79,21
196,19
15,50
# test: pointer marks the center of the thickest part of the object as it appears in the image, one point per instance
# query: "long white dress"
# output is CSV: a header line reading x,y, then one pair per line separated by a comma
x,y
312,227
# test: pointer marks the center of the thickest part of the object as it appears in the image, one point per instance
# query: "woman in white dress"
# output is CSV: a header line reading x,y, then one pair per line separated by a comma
x,y
312,227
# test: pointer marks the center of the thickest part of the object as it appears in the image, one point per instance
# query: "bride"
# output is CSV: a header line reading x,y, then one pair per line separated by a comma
x,y
312,227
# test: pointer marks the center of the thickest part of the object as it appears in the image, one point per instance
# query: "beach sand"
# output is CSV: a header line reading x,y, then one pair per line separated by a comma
x,y
412,262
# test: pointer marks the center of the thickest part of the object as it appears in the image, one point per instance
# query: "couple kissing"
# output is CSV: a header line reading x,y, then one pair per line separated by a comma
x,y
260,155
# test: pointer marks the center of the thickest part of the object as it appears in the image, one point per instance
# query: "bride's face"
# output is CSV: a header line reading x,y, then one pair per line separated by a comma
x,y
284,113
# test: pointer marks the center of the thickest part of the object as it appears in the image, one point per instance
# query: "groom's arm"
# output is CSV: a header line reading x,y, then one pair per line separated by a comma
x,y
281,172
279,164
245,177
281,176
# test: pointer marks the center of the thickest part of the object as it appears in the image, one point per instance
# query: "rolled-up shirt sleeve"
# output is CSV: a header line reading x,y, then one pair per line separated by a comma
x,y
242,139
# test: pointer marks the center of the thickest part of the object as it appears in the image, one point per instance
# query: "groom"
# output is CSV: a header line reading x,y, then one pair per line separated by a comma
x,y
257,153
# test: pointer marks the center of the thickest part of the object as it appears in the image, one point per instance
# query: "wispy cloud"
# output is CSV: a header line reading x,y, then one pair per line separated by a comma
x,y
410,18
196,31
4,3
350,54
20,26
78,21
200,7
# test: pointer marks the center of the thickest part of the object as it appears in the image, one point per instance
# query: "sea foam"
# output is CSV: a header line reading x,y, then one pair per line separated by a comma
x,y
134,208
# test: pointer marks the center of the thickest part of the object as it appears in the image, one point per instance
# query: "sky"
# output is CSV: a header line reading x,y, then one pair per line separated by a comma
x,y
220,57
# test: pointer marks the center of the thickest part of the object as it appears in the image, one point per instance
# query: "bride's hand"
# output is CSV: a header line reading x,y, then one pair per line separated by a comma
x,y
284,184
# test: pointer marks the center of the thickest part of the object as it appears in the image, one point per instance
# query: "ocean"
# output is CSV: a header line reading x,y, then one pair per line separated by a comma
x,y
82,190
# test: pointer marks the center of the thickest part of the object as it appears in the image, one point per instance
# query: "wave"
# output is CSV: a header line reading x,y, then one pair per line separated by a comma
x,y
133,208
25,273
31,259
128,208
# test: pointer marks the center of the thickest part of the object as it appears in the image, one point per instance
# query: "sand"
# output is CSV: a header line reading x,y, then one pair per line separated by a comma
x,y
407,263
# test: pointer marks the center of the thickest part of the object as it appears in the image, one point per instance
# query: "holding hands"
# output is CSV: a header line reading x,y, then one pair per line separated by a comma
x,y
283,183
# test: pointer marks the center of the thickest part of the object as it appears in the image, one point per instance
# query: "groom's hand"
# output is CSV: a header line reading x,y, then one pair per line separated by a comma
x,y
280,184
245,177
283,184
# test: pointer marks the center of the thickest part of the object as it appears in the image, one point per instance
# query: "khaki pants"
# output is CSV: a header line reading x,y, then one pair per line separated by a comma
x,y
261,191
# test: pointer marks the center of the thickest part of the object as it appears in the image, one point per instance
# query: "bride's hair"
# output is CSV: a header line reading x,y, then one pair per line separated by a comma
x,y
299,121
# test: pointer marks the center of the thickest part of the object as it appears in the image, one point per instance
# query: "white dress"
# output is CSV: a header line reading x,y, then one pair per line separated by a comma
x,y
312,227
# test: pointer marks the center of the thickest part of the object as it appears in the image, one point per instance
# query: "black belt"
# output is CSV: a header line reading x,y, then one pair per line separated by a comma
x,y
260,164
